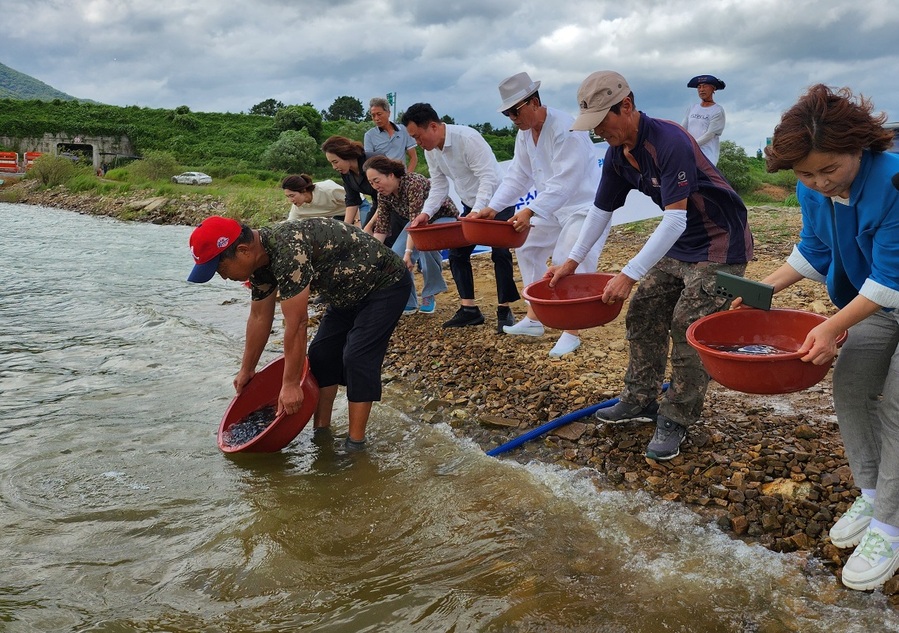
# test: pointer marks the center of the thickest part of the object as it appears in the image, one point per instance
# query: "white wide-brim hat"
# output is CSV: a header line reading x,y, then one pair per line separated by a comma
x,y
515,89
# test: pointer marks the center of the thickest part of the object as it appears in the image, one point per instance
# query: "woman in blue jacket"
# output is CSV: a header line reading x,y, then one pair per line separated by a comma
x,y
850,241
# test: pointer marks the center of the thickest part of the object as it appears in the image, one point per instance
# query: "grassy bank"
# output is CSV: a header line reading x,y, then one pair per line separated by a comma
x,y
254,196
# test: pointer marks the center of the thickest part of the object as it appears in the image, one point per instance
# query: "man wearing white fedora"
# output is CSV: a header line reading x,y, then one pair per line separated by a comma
x,y
561,165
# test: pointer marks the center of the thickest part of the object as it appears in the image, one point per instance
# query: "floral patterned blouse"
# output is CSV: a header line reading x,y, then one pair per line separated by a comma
x,y
407,202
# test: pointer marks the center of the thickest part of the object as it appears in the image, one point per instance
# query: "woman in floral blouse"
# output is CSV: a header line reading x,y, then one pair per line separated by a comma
x,y
402,195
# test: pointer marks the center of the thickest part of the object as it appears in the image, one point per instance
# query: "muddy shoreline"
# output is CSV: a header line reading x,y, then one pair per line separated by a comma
x,y
769,470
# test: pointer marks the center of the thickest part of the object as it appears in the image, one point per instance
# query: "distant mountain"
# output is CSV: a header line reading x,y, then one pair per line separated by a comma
x,y
16,85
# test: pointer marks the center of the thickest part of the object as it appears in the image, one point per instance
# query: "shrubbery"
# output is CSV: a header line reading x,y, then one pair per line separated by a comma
x,y
294,151
51,171
155,166
735,166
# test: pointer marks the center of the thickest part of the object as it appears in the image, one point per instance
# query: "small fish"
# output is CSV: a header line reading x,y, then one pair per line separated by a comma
x,y
752,350
249,427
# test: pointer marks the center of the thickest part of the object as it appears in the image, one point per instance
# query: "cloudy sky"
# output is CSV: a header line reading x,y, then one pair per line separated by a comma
x,y
228,55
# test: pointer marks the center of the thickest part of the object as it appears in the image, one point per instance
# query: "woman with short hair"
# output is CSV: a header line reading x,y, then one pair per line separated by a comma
x,y
850,228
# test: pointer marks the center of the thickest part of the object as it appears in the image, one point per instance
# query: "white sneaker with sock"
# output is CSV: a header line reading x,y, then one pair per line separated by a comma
x,y
848,531
566,344
525,327
873,562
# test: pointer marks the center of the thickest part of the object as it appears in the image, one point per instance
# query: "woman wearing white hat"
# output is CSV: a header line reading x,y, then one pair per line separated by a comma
x,y
562,166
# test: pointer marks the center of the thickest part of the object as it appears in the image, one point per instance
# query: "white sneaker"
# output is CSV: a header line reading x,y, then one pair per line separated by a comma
x,y
566,344
873,562
525,327
848,531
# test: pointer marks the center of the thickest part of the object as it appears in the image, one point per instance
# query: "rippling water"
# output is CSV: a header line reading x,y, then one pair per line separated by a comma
x,y
120,514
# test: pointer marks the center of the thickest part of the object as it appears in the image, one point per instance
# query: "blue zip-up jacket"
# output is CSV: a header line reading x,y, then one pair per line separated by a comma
x,y
854,247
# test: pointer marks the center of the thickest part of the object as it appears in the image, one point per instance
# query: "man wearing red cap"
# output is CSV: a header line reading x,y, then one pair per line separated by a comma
x,y
364,283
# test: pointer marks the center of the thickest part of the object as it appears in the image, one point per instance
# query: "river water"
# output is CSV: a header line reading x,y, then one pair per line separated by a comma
x,y
118,513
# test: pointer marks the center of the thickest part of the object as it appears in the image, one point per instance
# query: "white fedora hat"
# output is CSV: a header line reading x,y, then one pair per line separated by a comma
x,y
515,89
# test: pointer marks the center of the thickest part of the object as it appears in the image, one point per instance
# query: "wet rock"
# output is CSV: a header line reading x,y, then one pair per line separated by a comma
x,y
805,432
572,432
436,405
496,421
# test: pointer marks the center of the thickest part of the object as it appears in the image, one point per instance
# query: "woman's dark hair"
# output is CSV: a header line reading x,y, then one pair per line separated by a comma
x,y
344,148
300,184
245,237
385,165
827,121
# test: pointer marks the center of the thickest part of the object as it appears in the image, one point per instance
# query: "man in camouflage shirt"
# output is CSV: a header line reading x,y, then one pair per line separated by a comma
x,y
365,284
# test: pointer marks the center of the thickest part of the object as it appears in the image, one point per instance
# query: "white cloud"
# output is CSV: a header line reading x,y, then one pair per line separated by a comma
x,y
226,55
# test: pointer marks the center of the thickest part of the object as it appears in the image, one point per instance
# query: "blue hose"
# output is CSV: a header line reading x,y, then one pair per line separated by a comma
x,y
554,424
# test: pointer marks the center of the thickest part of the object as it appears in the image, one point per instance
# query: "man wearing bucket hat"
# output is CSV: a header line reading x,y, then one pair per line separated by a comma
x,y
703,230
364,283
561,165
705,120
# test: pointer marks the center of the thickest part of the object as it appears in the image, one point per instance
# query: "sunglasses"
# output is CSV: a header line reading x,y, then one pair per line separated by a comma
x,y
516,109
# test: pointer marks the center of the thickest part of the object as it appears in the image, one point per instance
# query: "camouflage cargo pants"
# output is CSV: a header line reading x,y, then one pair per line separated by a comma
x,y
668,299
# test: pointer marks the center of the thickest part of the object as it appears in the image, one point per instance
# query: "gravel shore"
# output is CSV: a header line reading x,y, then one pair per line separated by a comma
x,y
766,469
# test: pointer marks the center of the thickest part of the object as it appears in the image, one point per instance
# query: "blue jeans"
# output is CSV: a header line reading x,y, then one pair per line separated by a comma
x,y
431,266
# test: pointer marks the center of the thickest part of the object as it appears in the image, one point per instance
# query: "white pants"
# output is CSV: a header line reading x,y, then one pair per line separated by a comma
x,y
549,240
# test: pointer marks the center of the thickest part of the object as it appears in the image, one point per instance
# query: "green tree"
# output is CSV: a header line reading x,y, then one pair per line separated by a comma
x,y
349,129
736,167
503,146
295,151
349,108
302,117
269,107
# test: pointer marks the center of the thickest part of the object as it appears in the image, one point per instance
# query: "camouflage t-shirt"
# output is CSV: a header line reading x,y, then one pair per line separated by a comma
x,y
340,262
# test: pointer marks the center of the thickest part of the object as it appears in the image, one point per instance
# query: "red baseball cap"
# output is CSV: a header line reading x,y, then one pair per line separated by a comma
x,y
207,242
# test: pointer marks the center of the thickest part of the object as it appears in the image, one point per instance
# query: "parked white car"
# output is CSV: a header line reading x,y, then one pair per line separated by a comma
x,y
192,178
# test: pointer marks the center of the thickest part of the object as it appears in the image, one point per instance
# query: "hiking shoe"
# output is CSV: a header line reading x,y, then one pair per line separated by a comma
x,y
466,316
627,411
848,531
525,327
873,562
409,310
504,317
428,305
666,441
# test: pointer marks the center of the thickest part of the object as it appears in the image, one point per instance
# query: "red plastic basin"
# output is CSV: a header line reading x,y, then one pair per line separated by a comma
x,y
575,303
494,233
262,391
762,374
436,237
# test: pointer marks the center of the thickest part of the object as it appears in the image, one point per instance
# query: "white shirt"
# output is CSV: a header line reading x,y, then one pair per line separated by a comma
x,y
706,126
561,166
328,199
468,161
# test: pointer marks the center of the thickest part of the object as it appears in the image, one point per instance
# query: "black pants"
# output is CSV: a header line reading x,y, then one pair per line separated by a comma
x,y
460,266
350,344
